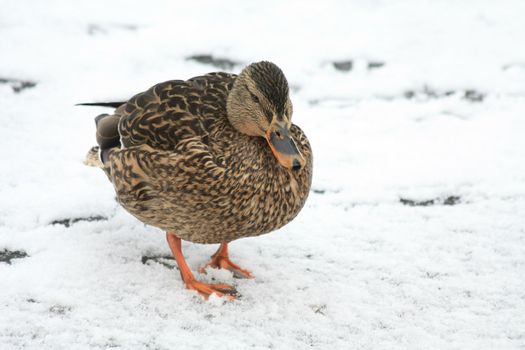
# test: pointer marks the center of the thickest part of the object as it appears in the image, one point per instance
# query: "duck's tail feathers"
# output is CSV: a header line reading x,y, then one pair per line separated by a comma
x,y
108,137
102,104
93,158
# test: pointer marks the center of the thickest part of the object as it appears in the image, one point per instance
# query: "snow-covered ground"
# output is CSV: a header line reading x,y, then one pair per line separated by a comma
x,y
413,236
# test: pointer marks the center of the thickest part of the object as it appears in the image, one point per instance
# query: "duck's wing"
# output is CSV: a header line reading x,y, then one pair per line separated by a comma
x,y
173,111
150,182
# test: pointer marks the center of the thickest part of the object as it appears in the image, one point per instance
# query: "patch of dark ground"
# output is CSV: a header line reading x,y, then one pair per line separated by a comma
x,y
18,85
59,309
427,92
348,65
323,191
70,221
160,259
473,96
8,255
430,93
319,309
219,62
343,66
97,29
424,94
375,64
337,102
513,65
450,200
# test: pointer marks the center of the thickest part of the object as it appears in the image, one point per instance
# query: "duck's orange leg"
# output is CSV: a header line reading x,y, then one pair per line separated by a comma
x,y
204,289
221,260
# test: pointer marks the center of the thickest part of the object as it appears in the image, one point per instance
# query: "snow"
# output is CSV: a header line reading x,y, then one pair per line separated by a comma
x,y
357,269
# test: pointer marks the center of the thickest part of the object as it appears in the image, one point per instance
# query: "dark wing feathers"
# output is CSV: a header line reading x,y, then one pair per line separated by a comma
x,y
174,110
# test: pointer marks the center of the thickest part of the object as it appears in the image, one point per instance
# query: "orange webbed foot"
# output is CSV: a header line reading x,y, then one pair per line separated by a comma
x,y
206,290
221,260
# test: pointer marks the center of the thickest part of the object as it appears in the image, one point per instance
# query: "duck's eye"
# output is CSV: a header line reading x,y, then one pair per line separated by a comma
x,y
254,97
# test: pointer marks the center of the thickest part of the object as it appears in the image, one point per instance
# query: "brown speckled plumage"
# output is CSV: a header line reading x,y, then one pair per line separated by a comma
x,y
181,166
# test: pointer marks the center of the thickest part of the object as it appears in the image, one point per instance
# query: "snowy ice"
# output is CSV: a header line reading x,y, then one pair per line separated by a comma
x,y
413,236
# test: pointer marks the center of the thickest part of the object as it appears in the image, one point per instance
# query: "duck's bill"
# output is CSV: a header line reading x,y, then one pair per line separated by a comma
x,y
284,148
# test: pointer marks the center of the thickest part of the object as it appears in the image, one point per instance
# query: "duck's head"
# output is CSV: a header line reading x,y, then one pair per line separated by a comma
x,y
259,105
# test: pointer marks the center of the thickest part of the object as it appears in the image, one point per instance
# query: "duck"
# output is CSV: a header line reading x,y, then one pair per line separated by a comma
x,y
209,160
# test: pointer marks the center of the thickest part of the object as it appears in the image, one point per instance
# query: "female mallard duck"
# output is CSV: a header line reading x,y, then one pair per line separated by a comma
x,y
209,160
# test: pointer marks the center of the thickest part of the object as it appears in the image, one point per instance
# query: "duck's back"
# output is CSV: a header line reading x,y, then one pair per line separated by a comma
x,y
172,111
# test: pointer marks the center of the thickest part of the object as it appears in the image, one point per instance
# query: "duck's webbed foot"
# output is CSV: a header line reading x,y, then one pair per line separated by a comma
x,y
221,260
204,289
